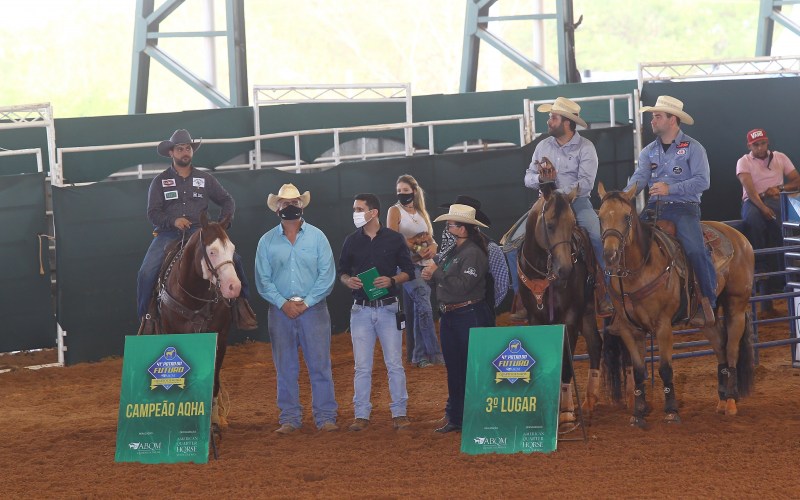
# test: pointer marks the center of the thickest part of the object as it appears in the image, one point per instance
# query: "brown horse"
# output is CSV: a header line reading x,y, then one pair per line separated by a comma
x,y
196,289
555,264
647,292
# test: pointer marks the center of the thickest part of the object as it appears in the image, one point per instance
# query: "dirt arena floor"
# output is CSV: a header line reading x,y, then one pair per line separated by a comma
x,y
59,430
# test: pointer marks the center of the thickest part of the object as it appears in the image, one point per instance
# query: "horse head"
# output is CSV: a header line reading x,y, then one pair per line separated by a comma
x,y
553,231
617,219
217,256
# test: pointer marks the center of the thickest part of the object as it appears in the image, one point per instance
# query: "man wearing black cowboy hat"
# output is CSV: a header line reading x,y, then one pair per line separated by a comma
x,y
176,198
498,266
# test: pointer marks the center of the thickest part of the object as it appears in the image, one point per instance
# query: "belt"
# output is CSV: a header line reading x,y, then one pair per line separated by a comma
x,y
375,303
677,202
445,308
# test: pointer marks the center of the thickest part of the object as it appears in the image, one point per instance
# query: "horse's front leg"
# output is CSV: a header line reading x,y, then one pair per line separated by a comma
x,y
567,404
635,347
594,347
664,336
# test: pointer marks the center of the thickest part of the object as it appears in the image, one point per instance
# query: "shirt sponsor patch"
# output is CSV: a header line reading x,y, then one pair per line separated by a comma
x,y
170,195
197,195
167,183
681,151
198,183
471,271
677,170
684,144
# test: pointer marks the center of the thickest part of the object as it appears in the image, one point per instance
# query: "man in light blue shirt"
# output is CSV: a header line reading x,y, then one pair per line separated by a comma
x,y
574,160
675,169
295,271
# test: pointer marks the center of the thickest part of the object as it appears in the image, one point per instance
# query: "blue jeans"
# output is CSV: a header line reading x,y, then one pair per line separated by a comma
x,y
366,325
154,258
312,332
417,303
511,259
454,329
763,233
686,217
587,218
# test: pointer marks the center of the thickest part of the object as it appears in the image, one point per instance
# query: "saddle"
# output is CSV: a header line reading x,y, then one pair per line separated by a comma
x,y
721,254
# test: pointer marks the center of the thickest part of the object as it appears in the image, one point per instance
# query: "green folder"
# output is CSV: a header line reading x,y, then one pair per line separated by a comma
x,y
368,282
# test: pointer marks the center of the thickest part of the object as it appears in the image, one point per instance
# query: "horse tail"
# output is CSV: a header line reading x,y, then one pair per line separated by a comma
x,y
745,365
613,361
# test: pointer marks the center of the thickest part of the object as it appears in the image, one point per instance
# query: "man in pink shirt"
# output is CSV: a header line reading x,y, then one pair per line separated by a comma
x,y
764,174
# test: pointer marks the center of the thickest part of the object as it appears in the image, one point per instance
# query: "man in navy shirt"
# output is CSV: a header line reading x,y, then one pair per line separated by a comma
x,y
176,198
375,246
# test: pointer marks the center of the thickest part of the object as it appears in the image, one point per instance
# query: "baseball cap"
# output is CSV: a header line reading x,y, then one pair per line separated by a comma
x,y
757,134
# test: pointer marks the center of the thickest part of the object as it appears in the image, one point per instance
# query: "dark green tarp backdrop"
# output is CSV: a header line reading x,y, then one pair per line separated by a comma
x,y
27,319
103,234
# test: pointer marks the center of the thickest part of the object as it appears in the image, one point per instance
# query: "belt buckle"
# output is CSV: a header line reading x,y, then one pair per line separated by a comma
x,y
442,308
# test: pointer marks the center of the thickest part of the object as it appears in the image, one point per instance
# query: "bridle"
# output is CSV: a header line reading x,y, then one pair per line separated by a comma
x,y
550,248
214,284
622,269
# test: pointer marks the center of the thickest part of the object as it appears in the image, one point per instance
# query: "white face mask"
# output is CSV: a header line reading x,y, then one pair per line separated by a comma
x,y
359,219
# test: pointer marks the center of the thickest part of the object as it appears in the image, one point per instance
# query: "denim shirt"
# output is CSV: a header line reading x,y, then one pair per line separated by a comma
x,y
171,196
575,163
304,269
684,167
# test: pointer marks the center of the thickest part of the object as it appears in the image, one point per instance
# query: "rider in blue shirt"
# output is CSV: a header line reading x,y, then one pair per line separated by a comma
x,y
675,169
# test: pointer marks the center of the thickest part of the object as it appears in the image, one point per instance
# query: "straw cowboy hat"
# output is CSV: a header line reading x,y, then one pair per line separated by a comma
x,y
471,202
461,213
565,108
287,192
670,105
180,136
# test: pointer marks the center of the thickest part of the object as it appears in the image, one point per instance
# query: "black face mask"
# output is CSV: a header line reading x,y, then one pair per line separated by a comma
x,y
290,212
405,198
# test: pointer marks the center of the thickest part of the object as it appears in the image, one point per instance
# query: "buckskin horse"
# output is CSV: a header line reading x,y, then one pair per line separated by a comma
x,y
650,292
195,290
555,264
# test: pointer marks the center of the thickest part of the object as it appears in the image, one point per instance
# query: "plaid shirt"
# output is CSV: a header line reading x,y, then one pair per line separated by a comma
x,y
497,265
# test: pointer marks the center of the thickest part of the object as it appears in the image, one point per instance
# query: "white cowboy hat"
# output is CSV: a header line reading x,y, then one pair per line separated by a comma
x,y
287,192
565,108
670,105
461,213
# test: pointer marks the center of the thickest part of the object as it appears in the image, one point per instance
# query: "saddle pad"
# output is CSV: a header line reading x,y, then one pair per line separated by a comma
x,y
720,245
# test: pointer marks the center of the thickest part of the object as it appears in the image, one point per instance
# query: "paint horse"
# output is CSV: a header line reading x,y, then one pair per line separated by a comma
x,y
556,264
650,291
195,292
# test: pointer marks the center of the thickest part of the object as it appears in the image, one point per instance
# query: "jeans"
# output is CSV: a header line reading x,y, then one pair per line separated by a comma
x,y
763,233
587,218
312,332
686,217
454,329
417,303
366,325
511,259
154,258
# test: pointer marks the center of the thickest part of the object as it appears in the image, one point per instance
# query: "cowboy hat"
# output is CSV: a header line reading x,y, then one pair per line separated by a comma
x,y
461,213
670,105
566,108
287,192
470,202
180,136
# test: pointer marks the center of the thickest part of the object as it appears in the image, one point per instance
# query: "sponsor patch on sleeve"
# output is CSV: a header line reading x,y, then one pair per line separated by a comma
x,y
471,271
167,183
198,182
170,195
684,144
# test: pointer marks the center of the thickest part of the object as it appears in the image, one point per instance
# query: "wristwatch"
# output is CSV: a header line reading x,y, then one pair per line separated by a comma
x,y
392,280
781,187
295,299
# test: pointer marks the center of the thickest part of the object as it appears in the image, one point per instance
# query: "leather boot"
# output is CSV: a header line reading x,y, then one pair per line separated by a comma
x,y
604,307
148,325
244,316
704,316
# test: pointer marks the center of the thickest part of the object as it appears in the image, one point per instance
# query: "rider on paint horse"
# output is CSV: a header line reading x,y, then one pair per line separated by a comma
x,y
176,198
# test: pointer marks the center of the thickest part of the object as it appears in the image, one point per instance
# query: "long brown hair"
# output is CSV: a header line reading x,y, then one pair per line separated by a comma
x,y
419,197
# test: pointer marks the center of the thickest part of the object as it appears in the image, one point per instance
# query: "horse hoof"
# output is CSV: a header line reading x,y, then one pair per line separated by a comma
x,y
672,418
721,404
638,422
566,417
730,408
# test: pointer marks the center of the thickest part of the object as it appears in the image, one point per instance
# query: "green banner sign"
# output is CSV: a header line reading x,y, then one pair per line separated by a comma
x,y
513,386
165,400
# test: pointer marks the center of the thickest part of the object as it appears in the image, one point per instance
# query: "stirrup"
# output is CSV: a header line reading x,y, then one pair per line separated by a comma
x,y
244,316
